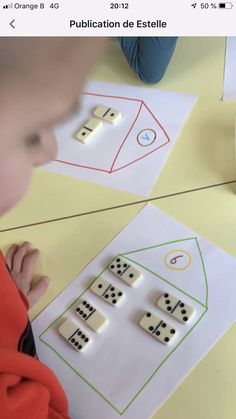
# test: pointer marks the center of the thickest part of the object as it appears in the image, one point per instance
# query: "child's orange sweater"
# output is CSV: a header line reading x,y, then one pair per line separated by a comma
x,y
28,389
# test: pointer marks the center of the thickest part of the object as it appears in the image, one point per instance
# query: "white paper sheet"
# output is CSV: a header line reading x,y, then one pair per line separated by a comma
x,y
230,69
130,154
125,372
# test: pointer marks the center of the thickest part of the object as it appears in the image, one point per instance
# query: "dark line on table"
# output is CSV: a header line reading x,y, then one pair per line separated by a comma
x,y
68,217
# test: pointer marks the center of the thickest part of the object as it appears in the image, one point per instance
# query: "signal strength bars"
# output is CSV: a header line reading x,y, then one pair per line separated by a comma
x,y
8,6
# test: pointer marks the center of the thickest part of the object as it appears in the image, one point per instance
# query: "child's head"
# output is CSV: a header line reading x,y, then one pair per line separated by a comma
x,y
40,82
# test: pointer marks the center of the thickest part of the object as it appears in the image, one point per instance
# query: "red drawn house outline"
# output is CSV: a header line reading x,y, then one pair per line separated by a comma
x,y
112,170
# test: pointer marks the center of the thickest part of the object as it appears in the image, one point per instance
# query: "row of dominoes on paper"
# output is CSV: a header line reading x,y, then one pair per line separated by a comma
x,y
100,114
161,330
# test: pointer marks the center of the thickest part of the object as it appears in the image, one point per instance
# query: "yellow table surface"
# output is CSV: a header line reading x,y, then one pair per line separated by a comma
x,y
203,155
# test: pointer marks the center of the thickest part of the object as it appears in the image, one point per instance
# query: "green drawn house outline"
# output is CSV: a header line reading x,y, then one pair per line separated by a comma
x,y
126,256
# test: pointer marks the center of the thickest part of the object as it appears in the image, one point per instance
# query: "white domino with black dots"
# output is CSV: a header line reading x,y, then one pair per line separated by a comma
x,y
157,328
107,114
90,315
74,335
88,130
125,271
107,291
175,307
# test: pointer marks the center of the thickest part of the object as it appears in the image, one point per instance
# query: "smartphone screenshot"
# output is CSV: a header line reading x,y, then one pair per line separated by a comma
x,y
117,209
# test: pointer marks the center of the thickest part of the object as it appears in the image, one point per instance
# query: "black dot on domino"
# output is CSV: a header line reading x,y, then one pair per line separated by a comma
x,y
99,285
84,315
83,133
112,266
120,293
113,294
181,305
183,311
131,275
148,315
77,309
106,296
185,319
90,308
172,331
114,301
166,339
118,260
167,301
79,333
87,305
166,295
151,328
118,266
169,308
72,340
119,272
76,343
84,303
158,333
112,288
163,325
86,339
80,347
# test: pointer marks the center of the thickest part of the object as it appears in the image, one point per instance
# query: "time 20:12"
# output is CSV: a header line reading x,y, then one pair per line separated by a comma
x,y
119,5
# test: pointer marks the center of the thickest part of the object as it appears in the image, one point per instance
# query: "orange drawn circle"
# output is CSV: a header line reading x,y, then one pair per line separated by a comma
x,y
177,255
146,137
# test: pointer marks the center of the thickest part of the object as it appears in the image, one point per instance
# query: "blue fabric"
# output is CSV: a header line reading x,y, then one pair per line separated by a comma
x,y
148,56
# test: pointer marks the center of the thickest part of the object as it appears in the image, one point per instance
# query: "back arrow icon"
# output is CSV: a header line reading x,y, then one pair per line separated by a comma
x,y
12,24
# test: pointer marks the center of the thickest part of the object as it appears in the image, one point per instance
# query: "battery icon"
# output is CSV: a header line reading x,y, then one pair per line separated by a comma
x,y
226,5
